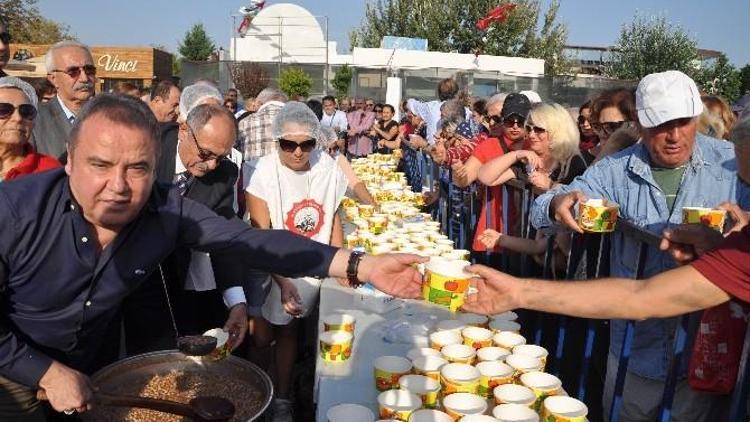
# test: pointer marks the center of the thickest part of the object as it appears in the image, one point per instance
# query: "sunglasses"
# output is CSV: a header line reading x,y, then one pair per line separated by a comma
x,y
582,120
5,37
291,146
75,71
608,128
204,154
536,129
27,111
370,105
378,110
509,122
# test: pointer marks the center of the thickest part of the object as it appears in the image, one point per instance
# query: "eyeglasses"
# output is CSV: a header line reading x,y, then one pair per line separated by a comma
x,y
608,128
509,121
291,146
536,129
27,111
204,154
5,37
75,71
378,110
370,105
582,120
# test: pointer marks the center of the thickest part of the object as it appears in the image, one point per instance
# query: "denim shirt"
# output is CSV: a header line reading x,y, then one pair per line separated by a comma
x,y
625,178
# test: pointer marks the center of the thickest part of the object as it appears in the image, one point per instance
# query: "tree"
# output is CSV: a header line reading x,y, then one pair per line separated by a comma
x,y
720,78
342,80
250,78
449,31
653,45
745,79
295,83
27,25
197,45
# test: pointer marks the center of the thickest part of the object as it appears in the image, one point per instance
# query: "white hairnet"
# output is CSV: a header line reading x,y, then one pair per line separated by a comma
x,y
194,95
28,90
299,115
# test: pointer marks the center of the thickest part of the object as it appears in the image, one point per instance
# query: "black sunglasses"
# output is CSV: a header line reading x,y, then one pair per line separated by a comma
x,y
582,120
75,71
27,111
5,37
536,129
510,121
204,154
291,146
608,128
378,110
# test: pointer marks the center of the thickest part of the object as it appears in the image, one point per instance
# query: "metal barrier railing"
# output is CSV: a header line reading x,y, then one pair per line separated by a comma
x,y
460,207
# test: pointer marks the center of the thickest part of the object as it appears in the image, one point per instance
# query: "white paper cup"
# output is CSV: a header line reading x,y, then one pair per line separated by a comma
x,y
335,346
562,408
419,352
459,353
532,350
429,366
339,322
429,415
477,337
349,412
524,364
459,405
508,340
477,418
515,394
514,413
388,370
500,325
459,378
506,316
492,353
542,384
492,374
440,339
425,387
397,404
450,325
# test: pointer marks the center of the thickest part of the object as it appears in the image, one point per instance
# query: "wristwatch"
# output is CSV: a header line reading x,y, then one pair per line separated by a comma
x,y
351,269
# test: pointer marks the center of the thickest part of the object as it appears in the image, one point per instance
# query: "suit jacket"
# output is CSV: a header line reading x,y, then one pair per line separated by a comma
x,y
165,167
51,130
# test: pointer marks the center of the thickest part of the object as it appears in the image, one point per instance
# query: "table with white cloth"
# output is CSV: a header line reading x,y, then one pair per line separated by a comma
x,y
352,381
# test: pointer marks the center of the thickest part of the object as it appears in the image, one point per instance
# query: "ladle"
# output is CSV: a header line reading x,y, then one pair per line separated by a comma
x,y
208,408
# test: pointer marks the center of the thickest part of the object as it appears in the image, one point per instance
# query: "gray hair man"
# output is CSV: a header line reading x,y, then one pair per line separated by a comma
x,y
672,167
71,69
256,137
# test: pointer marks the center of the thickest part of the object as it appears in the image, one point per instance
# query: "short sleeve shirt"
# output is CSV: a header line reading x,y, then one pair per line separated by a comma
x,y
728,266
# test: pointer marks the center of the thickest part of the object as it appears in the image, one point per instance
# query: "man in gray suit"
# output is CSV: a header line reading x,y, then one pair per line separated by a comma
x,y
71,69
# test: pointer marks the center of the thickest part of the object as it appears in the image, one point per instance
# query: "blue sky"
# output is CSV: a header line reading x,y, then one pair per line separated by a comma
x,y
718,25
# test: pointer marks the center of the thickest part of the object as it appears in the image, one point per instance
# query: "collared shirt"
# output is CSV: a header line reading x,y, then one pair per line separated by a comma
x,y
200,275
626,178
256,135
360,122
68,114
337,121
59,294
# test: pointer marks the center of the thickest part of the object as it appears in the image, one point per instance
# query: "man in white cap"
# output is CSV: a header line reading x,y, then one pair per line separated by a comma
x,y
671,167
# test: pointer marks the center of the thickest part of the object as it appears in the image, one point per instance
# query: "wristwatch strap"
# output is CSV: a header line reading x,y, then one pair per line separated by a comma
x,y
352,267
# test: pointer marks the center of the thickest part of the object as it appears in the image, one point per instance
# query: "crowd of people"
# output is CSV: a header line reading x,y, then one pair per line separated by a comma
x,y
139,197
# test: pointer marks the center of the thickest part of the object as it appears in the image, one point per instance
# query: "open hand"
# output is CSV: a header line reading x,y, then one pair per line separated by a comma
x,y
496,292
490,238
236,325
394,274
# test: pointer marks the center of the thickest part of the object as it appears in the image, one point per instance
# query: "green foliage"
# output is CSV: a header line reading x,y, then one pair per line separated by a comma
x,y
176,65
450,26
653,45
721,78
342,80
27,25
197,45
295,83
745,79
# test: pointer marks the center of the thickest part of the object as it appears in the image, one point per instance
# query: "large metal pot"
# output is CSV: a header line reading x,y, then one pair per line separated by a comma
x,y
233,369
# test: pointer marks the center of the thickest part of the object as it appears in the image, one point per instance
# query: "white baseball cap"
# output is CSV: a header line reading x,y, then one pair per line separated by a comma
x,y
666,96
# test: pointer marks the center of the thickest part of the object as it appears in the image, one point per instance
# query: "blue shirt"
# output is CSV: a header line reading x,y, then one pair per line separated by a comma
x,y
625,178
59,294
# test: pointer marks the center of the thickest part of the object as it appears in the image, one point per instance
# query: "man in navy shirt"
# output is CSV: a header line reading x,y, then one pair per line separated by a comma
x,y
75,242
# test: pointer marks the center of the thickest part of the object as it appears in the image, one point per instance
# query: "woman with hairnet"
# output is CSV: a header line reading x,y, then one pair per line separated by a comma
x,y
18,109
297,188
